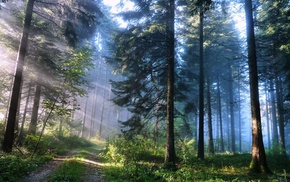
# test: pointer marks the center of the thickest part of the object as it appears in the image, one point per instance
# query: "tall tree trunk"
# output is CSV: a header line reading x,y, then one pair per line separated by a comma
x,y
274,116
239,113
267,117
258,162
280,109
10,126
170,149
34,115
232,114
93,114
210,137
21,132
200,153
217,136
102,115
228,123
220,115
84,118
18,111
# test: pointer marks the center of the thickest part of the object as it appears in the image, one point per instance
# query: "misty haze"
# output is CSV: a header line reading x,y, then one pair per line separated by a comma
x,y
144,90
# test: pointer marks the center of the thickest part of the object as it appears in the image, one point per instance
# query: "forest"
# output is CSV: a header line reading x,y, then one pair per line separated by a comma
x,y
144,90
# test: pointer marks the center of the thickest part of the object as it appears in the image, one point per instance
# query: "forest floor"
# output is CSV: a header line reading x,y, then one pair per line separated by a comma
x,y
93,168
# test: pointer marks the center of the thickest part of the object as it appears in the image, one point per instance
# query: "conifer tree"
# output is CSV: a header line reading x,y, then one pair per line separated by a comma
x,y
16,90
259,162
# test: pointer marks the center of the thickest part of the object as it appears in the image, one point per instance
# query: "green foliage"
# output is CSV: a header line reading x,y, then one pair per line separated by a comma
x,y
121,150
14,167
55,144
186,150
276,149
31,141
133,156
134,161
70,171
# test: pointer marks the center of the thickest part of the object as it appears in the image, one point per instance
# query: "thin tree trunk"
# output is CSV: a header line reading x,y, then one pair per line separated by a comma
x,y
258,162
94,107
267,117
232,114
18,111
102,114
84,118
21,132
10,126
217,144
170,149
239,113
93,114
200,150
274,116
210,137
34,115
220,115
280,109
228,123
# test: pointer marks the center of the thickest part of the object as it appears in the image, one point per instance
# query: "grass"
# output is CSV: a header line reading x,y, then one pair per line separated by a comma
x,y
70,171
223,167
14,166
141,161
136,161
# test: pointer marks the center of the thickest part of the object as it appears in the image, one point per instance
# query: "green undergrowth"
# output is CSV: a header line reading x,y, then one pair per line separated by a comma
x,y
69,171
140,160
17,165
55,144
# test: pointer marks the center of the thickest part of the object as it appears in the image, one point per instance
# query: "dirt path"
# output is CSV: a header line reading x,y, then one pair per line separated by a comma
x,y
93,171
42,173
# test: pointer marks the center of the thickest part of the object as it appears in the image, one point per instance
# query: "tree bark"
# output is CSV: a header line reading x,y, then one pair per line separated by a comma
x,y
93,114
274,113
210,136
200,152
258,163
21,132
84,118
239,113
267,117
231,100
10,126
102,114
228,124
34,115
280,109
170,149
220,115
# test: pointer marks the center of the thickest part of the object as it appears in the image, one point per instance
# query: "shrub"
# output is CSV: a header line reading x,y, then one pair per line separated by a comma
x,y
186,150
14,167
